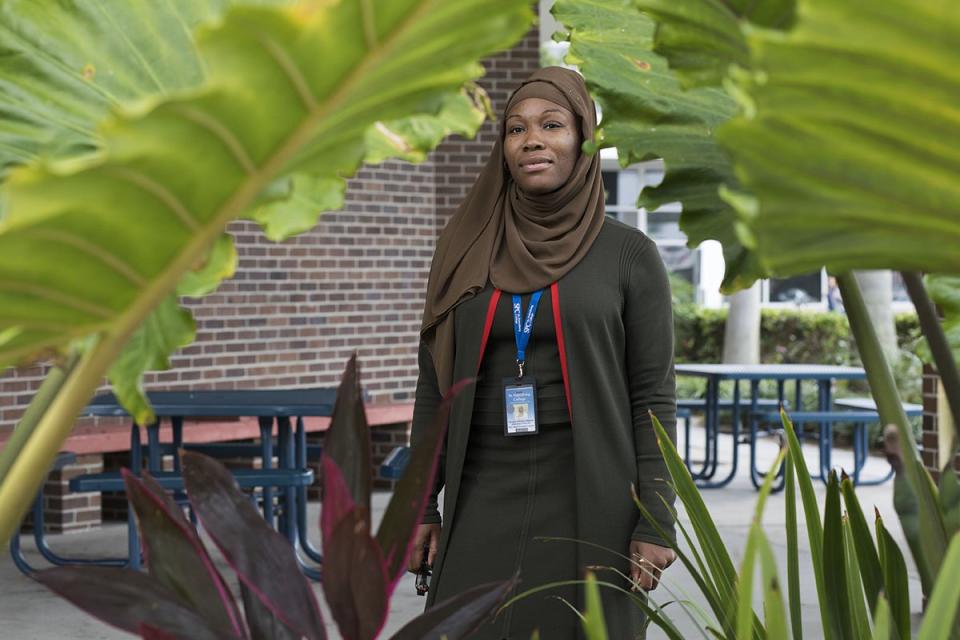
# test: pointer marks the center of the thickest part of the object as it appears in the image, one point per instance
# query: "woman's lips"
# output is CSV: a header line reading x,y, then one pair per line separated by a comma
x,y
535,166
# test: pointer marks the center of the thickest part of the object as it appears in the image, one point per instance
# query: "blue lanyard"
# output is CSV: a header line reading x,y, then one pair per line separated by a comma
x,y
522,331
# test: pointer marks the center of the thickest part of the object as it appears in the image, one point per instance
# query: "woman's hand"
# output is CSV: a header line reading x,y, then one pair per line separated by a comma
x,y
425,533
647,562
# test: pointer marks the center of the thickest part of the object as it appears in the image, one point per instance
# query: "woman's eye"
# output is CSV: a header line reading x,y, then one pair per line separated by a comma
x,y
516,129
552,125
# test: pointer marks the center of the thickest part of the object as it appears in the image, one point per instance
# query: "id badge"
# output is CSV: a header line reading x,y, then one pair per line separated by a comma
x,y
520,406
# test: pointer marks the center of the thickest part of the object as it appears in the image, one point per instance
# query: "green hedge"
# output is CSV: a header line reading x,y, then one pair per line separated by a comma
x,y
786,335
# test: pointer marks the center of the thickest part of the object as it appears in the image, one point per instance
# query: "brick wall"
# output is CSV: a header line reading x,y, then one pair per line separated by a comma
x,y
294,312
64,511
928,442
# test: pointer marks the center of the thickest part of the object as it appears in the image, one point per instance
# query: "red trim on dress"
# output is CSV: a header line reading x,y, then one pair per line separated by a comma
x,y
557,326
561,345
488,325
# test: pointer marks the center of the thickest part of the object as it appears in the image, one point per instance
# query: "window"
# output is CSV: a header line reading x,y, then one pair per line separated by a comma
x,y
798,290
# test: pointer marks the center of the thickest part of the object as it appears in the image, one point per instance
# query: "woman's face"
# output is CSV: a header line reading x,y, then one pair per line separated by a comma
x,y
541,145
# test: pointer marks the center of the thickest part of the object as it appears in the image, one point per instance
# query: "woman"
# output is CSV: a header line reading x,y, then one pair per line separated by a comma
x,y
564,317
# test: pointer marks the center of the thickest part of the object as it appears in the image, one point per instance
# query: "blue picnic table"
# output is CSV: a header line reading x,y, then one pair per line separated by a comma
x,y
823,375
290,477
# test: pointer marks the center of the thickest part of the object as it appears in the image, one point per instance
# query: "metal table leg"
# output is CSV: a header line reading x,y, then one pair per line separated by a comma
x,y
735,428
711,429
266,455
287,522
301,451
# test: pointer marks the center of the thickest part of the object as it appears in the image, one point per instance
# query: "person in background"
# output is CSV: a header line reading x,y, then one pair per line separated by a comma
x,y
834,301
564,317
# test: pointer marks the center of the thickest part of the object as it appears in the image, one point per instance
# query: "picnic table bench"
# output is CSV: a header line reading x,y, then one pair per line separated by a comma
x,y
860,412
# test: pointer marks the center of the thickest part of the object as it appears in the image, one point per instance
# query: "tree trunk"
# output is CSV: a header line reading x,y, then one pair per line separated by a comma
x,y
741,337
877,288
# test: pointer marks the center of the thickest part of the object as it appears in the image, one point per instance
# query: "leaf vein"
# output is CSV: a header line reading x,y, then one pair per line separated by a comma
x,y
292,71
94,251
135,51
161,193
58,297
222,132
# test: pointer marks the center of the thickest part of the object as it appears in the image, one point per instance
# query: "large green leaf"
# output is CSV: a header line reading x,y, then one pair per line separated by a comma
x,y
594,626
87,62
894,580
881,620
759,547
722,573
287,92
868,562
941,612
62,68
774,611
460,113
793,548
847,138
61,72
811,512
859,613
702,38
648,114
950,500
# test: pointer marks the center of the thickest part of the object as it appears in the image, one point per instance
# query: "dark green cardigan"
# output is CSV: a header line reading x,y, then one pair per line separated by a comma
x,y
616,316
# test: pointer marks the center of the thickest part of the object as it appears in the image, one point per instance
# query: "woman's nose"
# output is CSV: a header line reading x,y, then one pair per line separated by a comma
x,y
532,142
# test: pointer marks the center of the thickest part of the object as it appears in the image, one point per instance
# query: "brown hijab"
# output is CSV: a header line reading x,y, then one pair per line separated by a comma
x,y
518,242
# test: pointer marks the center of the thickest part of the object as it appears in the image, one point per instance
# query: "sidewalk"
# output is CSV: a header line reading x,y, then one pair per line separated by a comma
x,y
29,612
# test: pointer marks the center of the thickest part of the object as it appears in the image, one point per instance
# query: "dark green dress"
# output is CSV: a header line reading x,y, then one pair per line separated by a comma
x,y
572,479
516,490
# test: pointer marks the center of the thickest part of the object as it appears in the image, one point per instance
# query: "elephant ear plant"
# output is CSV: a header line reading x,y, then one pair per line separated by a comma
x,y
131,138
183,594
803,134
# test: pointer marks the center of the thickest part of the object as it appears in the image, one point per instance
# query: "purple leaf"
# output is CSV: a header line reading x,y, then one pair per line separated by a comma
x,y
459,616
409,499
172,507
263,624
337,501
263,559
176,557
354,581
128,600
348,440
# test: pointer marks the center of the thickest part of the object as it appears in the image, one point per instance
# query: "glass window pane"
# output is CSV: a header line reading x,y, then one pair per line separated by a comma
x,y
797,290
610,187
